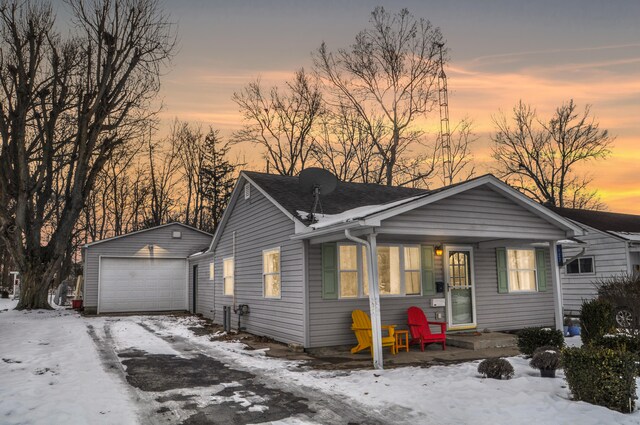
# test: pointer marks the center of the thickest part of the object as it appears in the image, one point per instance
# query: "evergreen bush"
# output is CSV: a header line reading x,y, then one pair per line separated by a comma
x,y
601,376
596,319
531,338
496,369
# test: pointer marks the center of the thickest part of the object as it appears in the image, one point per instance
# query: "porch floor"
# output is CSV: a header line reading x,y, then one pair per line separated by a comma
x,y
463,348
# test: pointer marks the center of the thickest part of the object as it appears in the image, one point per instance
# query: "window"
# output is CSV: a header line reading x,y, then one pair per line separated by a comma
x,y
271,272
412,270
211,270
348,269
521,264
389,270
228,275
247,191
583,265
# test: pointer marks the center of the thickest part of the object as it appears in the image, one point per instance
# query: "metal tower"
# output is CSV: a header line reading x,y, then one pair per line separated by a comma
x,y
445,133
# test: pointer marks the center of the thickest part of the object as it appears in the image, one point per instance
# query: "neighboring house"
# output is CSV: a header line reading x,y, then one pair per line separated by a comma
x,y
142,271
477,254
612,248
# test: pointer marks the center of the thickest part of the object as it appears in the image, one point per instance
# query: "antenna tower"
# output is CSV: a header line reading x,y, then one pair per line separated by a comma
x,y
445,133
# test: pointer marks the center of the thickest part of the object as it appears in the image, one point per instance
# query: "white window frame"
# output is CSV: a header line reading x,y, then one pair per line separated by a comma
x,y
264,274
535,272
212,270
580,272
232,277
361,273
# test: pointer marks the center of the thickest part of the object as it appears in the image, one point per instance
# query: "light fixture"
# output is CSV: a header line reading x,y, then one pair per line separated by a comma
x,y
150,247
439,250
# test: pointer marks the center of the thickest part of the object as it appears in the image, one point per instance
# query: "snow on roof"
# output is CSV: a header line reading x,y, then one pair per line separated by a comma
x,y
630,236
326,220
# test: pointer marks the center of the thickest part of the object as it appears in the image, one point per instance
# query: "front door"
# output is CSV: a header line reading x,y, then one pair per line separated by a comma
x,y
458,273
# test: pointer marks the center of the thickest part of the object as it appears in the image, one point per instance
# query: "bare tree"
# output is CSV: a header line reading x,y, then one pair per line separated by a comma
x,y
281,121
344,146
163,181
539,158
66,105
460,166
389,76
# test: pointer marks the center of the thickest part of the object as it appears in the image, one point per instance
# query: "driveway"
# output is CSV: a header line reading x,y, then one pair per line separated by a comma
x,y
176,377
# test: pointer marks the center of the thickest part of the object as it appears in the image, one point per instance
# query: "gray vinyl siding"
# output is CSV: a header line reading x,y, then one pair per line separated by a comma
x,y
260,225
480,212
501,312
205,294
135,245
610,258
330,320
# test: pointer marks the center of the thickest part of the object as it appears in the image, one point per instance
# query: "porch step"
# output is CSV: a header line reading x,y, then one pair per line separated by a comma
x,y
475,341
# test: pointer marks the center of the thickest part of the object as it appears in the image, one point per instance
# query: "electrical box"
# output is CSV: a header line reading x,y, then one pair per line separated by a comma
x,y
437,302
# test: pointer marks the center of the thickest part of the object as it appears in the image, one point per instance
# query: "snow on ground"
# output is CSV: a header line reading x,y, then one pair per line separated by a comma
x,y
50,372
60,379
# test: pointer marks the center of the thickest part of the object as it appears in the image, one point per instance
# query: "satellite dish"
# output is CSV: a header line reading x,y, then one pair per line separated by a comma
x,y
317,182
313,178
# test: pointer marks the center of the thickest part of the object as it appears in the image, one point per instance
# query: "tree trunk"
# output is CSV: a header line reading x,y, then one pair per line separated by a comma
x,y
34,290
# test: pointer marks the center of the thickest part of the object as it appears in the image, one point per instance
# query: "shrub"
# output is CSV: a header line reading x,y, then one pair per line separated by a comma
x,y
601,376
596,318
496,369
531,338
546,358
623,293
619,342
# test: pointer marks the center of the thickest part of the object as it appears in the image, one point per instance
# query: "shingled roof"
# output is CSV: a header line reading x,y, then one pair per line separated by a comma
x,y
286,191
604,221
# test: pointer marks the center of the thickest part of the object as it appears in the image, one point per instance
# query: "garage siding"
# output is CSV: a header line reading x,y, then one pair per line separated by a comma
x,y
136,245
258,225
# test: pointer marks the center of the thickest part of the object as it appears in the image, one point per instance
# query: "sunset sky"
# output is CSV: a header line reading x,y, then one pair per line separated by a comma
x,y
543,52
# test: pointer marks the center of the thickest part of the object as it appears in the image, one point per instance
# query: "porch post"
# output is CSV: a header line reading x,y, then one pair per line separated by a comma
x,y
557,285
374,302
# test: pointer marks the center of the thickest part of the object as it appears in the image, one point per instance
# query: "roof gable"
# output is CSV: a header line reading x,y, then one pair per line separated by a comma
x,y
173,223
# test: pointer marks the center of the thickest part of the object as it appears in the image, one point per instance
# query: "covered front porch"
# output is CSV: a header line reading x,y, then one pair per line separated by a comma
x,y
476,256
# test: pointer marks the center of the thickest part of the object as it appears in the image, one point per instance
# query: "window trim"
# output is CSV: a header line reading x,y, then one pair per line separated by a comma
x,y
580,273
212,270
264,281
360,271
224,277
509,269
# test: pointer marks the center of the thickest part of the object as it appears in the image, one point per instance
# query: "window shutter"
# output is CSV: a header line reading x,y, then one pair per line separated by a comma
x,y
428,270
329,271
501,262
541,269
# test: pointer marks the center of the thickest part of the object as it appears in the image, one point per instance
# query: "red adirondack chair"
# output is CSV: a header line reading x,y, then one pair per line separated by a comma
x,y
420,330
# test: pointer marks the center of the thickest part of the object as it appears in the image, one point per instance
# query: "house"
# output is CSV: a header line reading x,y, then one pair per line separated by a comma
x,y
612,247
142,271
478,254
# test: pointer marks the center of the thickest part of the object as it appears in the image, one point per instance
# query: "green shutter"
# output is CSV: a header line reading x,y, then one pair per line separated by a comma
x,y
541,269
329,271
501,261
428,271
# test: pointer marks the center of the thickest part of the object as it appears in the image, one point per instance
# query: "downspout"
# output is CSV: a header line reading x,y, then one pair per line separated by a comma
x,y
374,298
557,286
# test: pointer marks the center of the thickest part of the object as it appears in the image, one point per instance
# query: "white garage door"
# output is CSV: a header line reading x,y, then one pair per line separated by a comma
x,y
142,284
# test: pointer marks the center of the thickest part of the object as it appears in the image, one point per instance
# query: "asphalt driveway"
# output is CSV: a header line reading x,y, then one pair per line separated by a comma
x,y
176,378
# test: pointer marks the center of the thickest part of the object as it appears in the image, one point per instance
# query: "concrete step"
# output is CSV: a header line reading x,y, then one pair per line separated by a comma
x,y
475,341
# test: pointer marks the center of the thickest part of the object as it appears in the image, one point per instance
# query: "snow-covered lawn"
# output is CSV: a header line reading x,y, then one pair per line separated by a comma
x,y
64,382
50,372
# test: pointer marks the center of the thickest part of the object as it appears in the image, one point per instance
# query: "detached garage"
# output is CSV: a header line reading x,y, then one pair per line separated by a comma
x,y
141,271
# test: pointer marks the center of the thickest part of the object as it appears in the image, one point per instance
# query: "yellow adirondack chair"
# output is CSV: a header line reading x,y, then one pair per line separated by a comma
x,y
362,328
